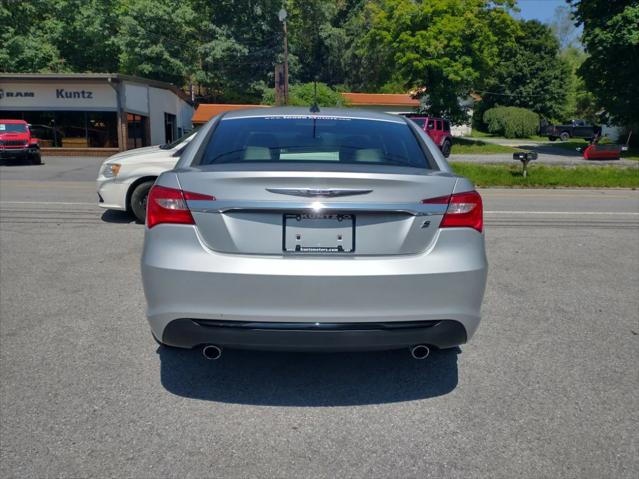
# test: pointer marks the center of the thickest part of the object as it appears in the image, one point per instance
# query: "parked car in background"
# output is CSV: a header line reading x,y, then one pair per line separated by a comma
x,y
16,142
124,179
294,230
573,129
437,128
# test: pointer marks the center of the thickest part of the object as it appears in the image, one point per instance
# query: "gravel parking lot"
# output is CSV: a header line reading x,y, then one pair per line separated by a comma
x,y
546,388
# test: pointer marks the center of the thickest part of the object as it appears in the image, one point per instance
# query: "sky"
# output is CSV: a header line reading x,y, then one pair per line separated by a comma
x,y
541,10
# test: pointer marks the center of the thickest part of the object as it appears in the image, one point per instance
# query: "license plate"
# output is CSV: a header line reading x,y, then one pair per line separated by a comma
x,y
319,233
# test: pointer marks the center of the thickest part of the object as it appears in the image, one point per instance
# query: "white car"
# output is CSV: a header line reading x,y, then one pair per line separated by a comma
x,y
124,179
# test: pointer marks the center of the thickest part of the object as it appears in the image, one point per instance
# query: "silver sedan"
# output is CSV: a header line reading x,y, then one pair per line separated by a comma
x,y
313,231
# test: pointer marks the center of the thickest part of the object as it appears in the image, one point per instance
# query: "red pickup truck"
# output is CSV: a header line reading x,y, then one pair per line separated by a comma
x,y
16,142
437,128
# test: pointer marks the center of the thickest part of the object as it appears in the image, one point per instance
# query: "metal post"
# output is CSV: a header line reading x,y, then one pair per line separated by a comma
x,y
116,84
285,64
279,84
282,14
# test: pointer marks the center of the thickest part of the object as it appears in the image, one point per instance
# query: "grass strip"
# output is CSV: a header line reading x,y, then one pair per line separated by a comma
x,y
464,146
542,176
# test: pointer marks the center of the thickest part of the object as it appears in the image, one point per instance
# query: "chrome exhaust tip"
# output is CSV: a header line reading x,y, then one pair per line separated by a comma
x,y
421,351
212,352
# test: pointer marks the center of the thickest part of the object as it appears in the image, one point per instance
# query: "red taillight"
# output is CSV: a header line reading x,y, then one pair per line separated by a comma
x,y
464,210
168,205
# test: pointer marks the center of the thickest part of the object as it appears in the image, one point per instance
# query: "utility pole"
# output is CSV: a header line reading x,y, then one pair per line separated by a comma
x,y
282,14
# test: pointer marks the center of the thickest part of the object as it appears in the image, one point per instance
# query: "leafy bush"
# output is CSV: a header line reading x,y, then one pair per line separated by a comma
x,y
511,122
303,94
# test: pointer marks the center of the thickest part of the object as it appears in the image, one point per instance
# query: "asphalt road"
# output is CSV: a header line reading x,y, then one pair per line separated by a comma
x,y
546,388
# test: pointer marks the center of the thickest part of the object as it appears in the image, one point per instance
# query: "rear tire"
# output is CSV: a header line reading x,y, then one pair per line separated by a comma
x,y
446,147
138,200
565,136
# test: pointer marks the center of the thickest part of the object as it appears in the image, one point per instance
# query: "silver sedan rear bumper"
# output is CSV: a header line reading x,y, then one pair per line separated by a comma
x,y
190,287
188,333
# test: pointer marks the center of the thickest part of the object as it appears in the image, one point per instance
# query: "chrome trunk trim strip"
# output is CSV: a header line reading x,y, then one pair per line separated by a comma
x,y
222,206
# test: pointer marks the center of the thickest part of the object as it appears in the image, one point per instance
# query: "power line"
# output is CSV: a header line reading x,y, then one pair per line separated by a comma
x,y
483,92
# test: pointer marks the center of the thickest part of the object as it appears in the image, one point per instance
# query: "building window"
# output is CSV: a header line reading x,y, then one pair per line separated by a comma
x,y
70,129
136,131
102,129
170,128
72,125
44,128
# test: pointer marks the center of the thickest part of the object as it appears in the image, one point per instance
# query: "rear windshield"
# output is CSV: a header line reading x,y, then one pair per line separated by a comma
x,y
313,139
13,128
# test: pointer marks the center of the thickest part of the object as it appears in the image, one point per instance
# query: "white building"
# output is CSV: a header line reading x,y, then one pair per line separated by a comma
x,y
98,111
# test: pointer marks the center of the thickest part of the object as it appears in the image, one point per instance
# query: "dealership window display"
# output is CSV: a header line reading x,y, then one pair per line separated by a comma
x,y
70,129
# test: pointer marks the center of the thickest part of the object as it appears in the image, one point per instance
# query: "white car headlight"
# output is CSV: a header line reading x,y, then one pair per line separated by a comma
x,y
110,170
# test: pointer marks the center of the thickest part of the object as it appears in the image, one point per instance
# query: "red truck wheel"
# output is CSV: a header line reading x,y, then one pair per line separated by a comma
x,y
446,149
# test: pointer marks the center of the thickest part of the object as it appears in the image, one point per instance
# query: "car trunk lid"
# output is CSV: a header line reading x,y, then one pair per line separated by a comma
x,y
345,211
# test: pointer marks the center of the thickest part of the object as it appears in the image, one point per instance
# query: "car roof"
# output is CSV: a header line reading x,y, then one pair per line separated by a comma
x,y
13,121
351,113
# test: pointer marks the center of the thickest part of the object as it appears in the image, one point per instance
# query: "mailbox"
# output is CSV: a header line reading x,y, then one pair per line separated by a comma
x,y
525,157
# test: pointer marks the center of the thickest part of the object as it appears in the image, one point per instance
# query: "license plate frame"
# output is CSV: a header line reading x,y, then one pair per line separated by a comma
x,y
318,233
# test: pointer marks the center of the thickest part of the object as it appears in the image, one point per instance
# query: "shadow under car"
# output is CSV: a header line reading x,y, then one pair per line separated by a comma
x,y
308,379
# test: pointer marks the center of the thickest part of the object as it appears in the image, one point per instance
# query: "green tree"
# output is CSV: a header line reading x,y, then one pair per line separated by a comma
x,y
580,103
25,40
59,35
156,40
446,49
530,74
238,44
86,34
611,39
318,38
304,94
